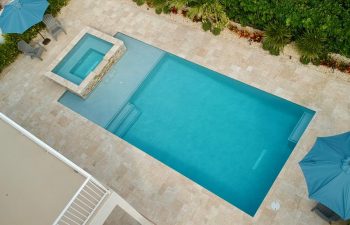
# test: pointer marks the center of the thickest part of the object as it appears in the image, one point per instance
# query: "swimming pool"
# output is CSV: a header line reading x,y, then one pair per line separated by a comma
x,y
83,58
227,136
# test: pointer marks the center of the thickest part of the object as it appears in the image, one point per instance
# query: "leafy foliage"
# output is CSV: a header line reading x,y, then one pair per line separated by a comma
x,y
276,37
166,9
311,47
210,12
216,31
159,10
140,2
55,6
206,25
318,26
9,51
330,17
214,12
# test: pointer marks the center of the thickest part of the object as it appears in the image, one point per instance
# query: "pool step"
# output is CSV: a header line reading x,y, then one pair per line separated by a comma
x,y
120,117
128,122
300,127
122,122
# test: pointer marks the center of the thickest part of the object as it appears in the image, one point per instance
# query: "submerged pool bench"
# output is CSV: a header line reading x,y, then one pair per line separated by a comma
x,y
300,127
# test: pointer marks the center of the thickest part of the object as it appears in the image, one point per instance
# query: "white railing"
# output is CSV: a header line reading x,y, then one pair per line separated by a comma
x,y
83,204
89,196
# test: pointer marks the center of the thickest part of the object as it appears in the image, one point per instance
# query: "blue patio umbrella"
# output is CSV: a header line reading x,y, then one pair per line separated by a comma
x,y
19,15
327,173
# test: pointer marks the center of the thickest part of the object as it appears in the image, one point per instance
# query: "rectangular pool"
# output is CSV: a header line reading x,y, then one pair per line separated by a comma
x,y
83,58
229,137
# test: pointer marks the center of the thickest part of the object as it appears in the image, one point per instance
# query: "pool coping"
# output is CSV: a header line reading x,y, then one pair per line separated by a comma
x,y
263,204
96,75
157,191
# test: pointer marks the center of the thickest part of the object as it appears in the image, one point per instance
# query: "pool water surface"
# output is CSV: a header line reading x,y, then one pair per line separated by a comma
x,y
227,136
83,58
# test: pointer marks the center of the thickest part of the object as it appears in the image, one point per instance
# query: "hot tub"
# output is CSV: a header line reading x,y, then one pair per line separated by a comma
x,y
83,63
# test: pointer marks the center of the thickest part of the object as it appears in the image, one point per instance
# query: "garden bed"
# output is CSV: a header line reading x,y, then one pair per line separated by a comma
x,y
314,41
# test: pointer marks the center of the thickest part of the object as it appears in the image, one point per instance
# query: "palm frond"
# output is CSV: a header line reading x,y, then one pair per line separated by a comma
x,y
310,47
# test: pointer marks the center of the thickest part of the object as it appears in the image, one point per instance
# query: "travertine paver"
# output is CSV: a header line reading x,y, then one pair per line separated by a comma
x,y
119,217
155,190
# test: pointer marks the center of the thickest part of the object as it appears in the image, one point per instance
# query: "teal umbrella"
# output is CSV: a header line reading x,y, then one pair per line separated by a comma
x,y
19,15
327,173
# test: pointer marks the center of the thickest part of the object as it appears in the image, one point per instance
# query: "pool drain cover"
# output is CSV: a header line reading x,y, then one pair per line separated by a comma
x,y
275,205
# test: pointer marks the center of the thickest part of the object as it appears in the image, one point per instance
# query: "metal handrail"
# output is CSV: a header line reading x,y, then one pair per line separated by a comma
x,y
78,206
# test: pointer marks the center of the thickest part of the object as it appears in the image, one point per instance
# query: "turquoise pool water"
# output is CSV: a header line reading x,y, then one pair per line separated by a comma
x,y
83,58
227,136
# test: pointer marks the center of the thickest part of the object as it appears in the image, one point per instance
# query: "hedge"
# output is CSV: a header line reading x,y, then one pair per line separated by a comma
x,y
330,19
318,27
9,51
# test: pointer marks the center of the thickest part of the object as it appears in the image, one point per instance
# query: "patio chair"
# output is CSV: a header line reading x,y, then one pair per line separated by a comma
x,y
53,26
34,51
326,213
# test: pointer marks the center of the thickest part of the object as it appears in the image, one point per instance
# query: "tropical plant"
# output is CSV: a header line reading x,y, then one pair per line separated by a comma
x,y
216,31
157,4
159,9
311,47
166,9
216,15
140,2
330,17
210,12
178,4
276,36
55,6
206,25
9,51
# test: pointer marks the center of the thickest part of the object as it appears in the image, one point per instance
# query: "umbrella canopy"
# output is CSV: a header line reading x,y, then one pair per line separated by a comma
x,y
19,15
327,172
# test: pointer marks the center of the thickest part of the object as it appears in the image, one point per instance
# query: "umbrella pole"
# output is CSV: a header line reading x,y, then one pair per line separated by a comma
x,y
46,40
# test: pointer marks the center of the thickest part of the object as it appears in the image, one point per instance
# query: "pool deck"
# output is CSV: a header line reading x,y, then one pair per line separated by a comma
x,y
158,192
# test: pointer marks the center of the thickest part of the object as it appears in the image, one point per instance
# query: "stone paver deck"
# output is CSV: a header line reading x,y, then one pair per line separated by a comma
x,y
163,195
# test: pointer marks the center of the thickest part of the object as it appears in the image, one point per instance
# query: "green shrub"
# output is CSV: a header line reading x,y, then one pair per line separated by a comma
x,y
206,25
311,47
158,4
166,9
159,10
330,17
179,4
9,51
316,62
140,2
55,6
304,60
211,12
216,30
295,17
268,46
276,36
